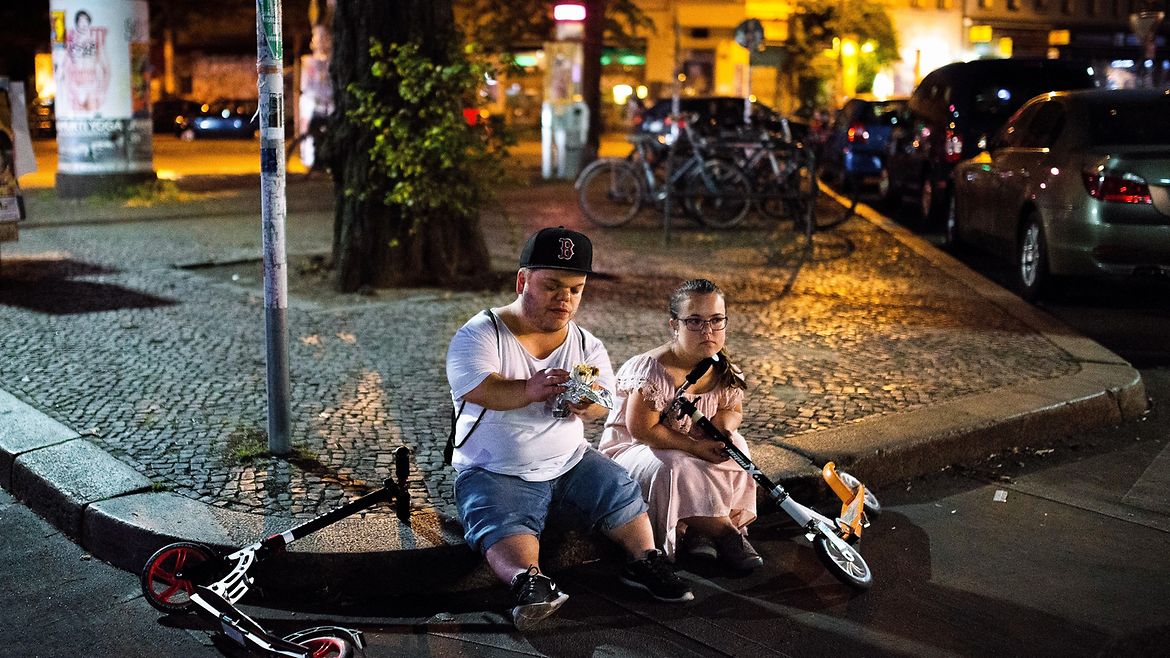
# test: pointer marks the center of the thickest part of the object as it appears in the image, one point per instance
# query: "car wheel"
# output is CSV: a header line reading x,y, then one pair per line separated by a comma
x,y
187,134
1031,258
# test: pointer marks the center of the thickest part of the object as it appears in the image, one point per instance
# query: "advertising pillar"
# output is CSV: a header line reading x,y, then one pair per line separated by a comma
x,y
101,65
564,117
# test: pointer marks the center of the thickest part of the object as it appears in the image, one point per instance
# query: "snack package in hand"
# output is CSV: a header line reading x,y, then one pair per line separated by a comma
x,y
579,388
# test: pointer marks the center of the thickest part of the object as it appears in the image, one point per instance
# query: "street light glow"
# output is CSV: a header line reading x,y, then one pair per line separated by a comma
x,y
569,12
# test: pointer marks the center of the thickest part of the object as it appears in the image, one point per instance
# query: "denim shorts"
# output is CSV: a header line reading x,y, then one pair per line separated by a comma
x,y
597,494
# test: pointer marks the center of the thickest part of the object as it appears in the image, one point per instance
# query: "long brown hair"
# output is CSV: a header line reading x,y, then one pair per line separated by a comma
x,y
730,374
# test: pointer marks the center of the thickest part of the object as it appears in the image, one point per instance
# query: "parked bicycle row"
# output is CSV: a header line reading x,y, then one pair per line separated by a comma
x,y
715,181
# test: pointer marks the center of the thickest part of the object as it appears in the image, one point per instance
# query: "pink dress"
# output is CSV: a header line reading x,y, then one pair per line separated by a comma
x,y
676,484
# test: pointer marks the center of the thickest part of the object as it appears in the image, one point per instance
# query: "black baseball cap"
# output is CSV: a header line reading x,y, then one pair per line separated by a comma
x,y
558,249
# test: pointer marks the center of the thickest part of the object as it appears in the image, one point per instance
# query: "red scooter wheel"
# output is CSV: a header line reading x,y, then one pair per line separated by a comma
x,y
165,579
328,646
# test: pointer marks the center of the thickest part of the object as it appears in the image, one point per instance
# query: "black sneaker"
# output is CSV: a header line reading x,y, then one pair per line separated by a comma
x,y
654,575
537,597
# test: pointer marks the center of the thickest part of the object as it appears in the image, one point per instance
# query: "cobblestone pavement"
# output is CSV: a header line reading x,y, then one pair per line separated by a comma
x,y
143,330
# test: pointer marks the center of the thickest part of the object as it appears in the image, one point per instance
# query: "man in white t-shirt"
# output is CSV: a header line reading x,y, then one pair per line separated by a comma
x,y
516,460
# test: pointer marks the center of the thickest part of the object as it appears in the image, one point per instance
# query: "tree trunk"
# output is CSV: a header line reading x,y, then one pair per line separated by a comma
x,y
375,245
593,46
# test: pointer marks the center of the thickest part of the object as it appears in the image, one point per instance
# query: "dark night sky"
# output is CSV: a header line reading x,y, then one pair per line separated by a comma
x,y
24,28
219,24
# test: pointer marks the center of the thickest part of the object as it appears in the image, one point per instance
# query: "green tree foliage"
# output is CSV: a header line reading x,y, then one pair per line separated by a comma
x,y
425,159
813,26
507,26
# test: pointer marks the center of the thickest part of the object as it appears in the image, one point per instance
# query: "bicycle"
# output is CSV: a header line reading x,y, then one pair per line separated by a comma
x,y
611,191
783,177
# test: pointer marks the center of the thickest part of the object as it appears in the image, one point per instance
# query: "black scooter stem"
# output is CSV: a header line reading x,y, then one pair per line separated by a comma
x,y
698,371
689,408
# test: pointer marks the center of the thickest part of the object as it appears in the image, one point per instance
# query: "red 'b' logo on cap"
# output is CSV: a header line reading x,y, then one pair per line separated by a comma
x,y
566,249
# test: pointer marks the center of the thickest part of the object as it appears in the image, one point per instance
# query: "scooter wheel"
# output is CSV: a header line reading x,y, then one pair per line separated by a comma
x,y
328,646
165,580
871,504
845,563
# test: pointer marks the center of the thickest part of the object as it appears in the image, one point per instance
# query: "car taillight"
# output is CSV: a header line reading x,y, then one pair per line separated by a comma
x,y
953,146
857,134
1116,187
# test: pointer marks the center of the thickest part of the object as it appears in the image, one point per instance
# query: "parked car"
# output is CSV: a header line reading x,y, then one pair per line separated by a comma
x,y
716,115
1076,183
224,118
855,149
168,114
955,109
42,119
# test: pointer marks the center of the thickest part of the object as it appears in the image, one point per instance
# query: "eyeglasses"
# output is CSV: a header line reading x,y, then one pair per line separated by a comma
x,y
699,324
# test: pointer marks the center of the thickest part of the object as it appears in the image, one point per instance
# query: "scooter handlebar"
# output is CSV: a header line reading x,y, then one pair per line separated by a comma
x,y
699,370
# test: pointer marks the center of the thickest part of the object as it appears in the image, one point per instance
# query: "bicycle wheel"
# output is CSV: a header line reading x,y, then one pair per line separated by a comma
x,y
165,582
609,192
719,194
802,193
770,190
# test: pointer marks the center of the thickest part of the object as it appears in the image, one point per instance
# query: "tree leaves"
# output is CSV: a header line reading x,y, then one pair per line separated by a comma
x,y
426,158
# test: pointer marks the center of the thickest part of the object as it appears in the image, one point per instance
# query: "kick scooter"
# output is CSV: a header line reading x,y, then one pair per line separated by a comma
x,y
189,577
832,538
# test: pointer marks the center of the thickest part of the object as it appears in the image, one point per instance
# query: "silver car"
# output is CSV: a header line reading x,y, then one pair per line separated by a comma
x,y
1076,183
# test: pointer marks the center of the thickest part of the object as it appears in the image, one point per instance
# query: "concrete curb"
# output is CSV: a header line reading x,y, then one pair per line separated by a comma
x,y
112,511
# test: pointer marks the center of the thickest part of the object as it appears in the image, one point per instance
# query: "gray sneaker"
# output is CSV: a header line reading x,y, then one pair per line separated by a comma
x,y
698,546
737,553
537,597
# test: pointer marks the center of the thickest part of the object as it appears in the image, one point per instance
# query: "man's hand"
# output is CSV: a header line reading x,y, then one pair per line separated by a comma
x,y
545,384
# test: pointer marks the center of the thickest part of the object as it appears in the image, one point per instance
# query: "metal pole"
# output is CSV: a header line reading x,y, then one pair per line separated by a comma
x,y
270,84
675,113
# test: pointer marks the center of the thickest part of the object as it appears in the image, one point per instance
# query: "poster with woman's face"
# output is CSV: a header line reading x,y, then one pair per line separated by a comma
x,y
100,65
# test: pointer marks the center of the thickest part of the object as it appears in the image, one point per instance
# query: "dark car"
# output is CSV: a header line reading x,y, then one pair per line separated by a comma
x,y
224,118
854,154
714,116
1076,183
168,114
42,119
955,109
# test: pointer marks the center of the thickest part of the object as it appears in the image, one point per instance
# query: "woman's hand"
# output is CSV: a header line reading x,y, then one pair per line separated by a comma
x,y
709,450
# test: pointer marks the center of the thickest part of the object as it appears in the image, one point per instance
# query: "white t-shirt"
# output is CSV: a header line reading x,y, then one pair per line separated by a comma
x,y
529,442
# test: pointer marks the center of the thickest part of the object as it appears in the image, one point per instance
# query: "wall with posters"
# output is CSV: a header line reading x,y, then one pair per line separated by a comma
x,y
101,66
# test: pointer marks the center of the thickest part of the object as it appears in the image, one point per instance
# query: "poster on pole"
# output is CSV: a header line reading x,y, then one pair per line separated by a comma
x,y
101,67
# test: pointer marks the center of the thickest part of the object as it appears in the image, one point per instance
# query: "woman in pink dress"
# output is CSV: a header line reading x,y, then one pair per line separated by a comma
x,y
694,490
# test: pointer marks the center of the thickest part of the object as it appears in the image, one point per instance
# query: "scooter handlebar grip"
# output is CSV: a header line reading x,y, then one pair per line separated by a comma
x,y
700,369
402,465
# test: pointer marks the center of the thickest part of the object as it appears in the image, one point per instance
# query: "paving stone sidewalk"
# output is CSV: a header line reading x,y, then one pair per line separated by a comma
x,y
143,331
